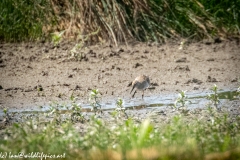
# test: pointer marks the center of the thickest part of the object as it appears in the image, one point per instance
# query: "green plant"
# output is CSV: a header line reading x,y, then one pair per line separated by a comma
x,y
94,100
226,14
214,98
55,113
6,116
182,100
78,52
76,111
57,37
120,109
5,111
24,20
180,137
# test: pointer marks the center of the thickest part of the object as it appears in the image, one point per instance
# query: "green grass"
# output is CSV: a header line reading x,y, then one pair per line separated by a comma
x,y
23,20
182,137
118,21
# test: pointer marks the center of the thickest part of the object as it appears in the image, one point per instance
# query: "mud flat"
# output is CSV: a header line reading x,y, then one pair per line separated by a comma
x,y
37,74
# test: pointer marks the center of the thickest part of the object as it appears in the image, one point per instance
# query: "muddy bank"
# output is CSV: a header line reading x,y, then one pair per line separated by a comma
x,y
36,74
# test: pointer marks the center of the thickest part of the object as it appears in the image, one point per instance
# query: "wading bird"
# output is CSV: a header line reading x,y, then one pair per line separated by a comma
x,y
140,83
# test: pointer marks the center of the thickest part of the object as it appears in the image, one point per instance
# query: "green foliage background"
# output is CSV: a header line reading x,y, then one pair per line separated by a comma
x,y
119,20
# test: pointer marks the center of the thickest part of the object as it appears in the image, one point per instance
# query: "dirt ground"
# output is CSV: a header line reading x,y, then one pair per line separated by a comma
x,y
36,74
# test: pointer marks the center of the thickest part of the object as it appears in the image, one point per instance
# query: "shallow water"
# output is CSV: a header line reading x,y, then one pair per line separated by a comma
x,y
198,100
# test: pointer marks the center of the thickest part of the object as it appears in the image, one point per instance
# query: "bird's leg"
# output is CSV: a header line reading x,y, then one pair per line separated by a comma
x,y
134,93
143,94
133,87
